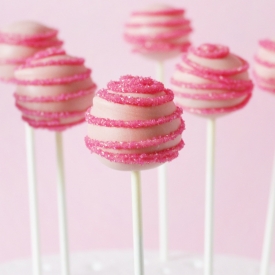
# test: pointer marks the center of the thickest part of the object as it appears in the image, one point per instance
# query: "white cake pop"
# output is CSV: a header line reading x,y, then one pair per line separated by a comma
x,y
158,31
20,41
134,124
210,80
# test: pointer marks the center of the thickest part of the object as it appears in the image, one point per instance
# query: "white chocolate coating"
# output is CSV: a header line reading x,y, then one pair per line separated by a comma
x,y
128,157
20,41
42,97
211,86
158,31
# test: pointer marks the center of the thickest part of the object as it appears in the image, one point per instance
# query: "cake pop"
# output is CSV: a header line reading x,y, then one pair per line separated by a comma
x,y
134,124
54,90
158,31
209,80
20,41
264,66
264,75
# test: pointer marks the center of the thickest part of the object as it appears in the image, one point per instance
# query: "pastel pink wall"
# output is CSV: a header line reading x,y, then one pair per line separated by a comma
x,y
99,203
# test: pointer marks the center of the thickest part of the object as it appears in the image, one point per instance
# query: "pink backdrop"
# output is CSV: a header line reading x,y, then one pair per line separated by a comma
x,y
99,203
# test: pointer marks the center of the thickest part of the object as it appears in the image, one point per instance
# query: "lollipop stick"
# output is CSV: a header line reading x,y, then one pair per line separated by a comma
x,y
269,229
137,223
163,213
33,201
163,201
209,199
63,230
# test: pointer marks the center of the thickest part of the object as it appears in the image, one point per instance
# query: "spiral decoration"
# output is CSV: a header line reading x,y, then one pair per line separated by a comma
x,y
210,80
264,65
54,90
134,124
20,41
158,29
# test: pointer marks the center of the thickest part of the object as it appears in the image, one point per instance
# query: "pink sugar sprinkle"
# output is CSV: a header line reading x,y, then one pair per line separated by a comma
x,y
229,72
159,47
132,124
58,98
211,51
52,125
15,37
169,23
267,44
213,96
61,62
217,81
268,81
221,110
168,11
264,62
52,51
131,84
143,158
137,101
14,61
135,144
30,42
170,34
8,80
55,81
44,114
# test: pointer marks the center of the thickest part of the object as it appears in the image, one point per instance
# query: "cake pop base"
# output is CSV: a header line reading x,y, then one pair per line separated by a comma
x,y
121,262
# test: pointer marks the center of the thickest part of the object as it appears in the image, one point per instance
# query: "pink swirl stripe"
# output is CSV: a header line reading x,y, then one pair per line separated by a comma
x,y
132,124
53,125
137,101
34,37
244,67
171,34
52,51
213,111
264,63
169,23
160,12
90,143
8,80
161,47
55,81
55,115
218,81
14,61
143,158
210,51
61,62
46,39
129,84
58,98
267,44
212,96
261,80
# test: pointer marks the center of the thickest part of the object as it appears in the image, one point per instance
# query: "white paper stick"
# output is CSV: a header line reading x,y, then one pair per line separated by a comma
x,y
137,223
33,200
163,200
163,213
209,198
160,71
62,210
269,228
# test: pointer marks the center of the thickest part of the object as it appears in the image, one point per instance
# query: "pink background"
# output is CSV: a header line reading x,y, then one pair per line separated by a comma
x,y
99,204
